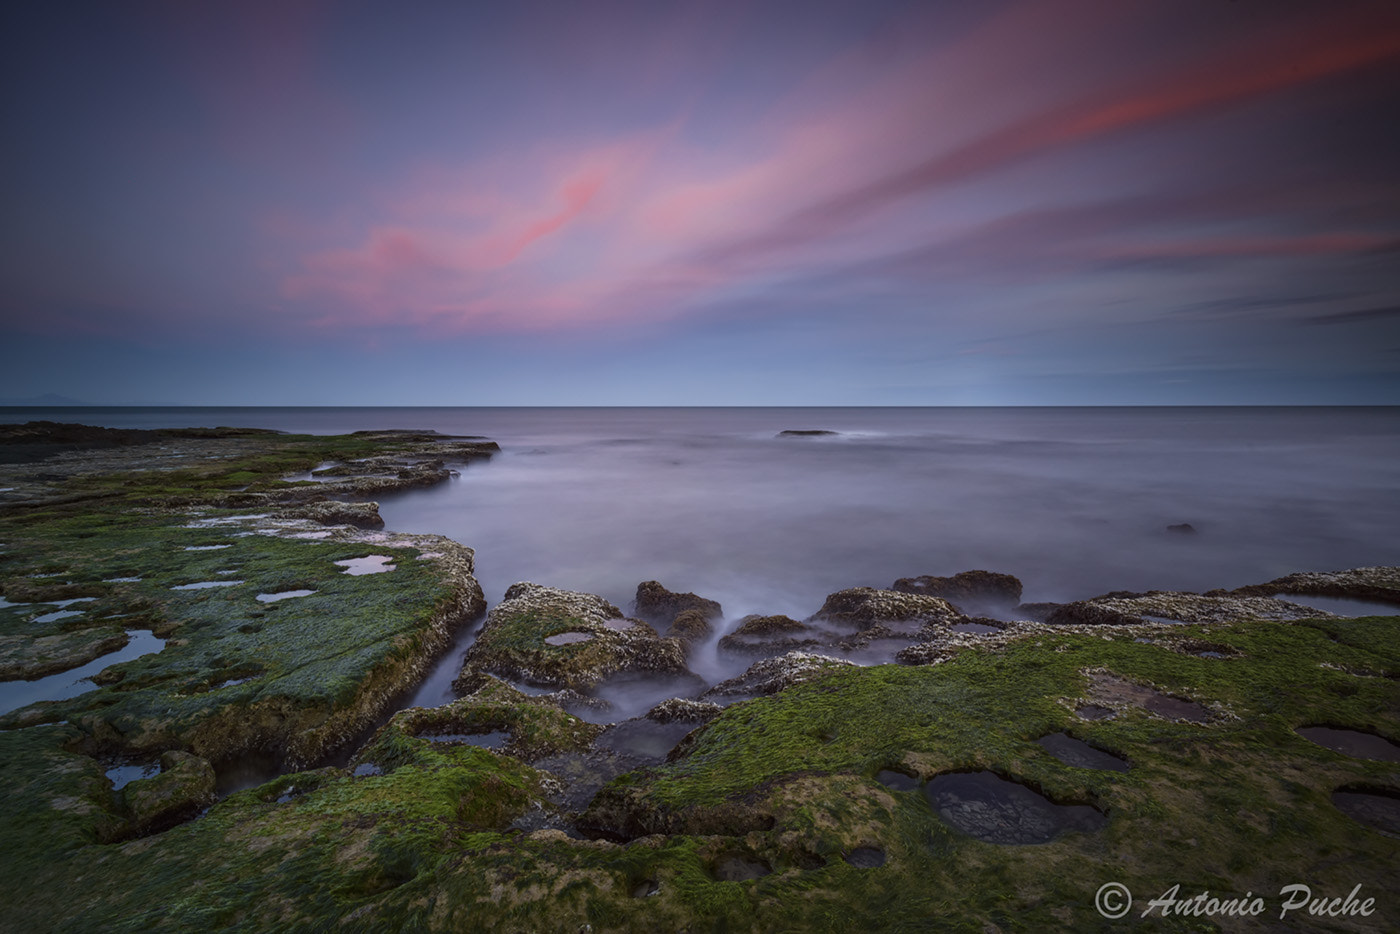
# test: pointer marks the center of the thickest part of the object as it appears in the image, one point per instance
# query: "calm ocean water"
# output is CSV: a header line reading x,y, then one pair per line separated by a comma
x,y
1075,502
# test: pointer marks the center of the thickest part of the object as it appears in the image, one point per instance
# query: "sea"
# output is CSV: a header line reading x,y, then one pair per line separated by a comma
x,y
718,501
1073,501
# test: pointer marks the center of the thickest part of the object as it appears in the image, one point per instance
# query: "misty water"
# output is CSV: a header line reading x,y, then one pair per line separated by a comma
x,y
1074,502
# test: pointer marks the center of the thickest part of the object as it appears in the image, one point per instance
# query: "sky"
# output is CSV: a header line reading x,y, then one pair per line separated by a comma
x,y
1063,202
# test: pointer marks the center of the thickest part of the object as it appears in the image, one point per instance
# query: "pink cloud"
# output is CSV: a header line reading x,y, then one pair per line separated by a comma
x,y
571,233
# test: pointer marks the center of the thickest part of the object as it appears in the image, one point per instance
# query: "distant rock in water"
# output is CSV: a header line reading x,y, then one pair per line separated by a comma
x,y
805,432
1184,528
968,586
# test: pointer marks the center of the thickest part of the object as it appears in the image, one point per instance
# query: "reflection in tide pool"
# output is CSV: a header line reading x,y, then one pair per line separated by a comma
x,y
71,683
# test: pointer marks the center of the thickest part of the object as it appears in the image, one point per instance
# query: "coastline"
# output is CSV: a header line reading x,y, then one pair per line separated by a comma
x,y
787,782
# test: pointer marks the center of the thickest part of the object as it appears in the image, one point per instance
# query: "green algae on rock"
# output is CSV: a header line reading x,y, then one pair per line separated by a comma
x,y
514,642
291,680
788,781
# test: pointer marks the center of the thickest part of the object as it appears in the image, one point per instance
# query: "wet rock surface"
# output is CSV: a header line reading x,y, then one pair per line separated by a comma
x,y
1375,808
1352,742
996,810
866,857
1080,754
690,627
897,780
680,710
1110,691
359,515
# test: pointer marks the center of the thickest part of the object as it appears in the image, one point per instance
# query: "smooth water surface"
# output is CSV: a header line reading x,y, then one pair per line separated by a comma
x,y
1074,501
71,683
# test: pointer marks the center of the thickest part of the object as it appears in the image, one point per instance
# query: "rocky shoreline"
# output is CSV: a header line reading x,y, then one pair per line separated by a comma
x,y
807,793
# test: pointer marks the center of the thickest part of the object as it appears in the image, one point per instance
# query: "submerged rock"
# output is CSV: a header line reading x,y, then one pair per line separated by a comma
x,y
966,586
513,641
659,606
806,433
1183,528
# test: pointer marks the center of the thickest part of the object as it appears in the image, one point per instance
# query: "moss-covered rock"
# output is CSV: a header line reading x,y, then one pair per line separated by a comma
x,y
534,727
790,782
28,656
184,786
546,636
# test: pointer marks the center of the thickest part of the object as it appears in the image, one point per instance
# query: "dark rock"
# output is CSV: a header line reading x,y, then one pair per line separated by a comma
x,y
1184,528
690,627
659,606
805,433
967,586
